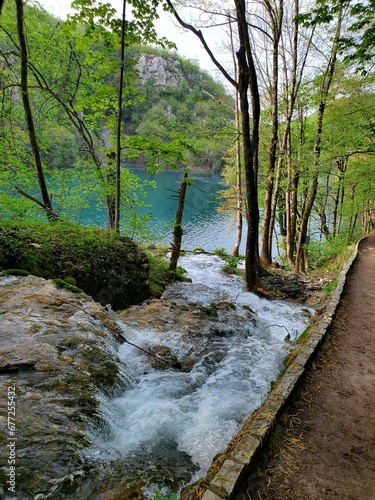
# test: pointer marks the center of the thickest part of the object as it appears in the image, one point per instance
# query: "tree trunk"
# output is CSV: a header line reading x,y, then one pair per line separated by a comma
x,y
341,166
239,208
47,206
177,231
301,261
248,80
117,208
266,244
292,167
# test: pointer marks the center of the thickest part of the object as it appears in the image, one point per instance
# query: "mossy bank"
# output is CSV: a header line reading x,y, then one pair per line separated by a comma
x,y
109,267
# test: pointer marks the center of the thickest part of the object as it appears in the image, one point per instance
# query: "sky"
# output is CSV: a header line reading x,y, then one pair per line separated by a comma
x,y
187,43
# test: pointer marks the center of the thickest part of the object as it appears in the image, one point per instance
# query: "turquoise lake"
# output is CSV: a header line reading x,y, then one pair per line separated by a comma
x,y
203,225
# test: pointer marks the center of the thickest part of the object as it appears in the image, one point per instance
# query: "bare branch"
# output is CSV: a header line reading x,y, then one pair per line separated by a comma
x,y
199,34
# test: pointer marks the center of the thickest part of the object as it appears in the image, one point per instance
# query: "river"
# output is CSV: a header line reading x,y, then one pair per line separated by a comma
x,y
168,424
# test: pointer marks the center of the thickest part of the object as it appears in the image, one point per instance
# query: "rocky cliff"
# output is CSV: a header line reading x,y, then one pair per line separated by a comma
x,y
162,71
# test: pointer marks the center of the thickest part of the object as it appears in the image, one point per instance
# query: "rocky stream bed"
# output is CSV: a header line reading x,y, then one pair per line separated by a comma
x,y
96,417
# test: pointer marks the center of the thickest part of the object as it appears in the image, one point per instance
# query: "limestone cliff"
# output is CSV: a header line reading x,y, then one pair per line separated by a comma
x,y
162,71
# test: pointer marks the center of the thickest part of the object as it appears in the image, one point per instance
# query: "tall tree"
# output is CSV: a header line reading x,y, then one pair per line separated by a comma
x,y
119,121
247,83
301,262
294,60
46,200
275,14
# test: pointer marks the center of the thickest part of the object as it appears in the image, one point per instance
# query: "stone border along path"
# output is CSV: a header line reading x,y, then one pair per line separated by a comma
x,y
249,441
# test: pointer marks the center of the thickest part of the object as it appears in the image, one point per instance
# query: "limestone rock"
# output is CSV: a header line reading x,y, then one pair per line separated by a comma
x,y
64,358
162,71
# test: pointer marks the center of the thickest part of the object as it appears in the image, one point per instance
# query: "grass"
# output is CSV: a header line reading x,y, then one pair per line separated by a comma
x,y
231,262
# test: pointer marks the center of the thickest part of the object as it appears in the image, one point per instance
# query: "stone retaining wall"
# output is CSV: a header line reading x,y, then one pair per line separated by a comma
x,y
250,440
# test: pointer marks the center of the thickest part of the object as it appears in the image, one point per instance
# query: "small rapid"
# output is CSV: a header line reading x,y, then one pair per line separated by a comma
x,y
169,424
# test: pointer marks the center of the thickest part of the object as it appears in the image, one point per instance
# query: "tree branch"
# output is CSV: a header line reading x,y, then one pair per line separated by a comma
x,y
199,34
35,200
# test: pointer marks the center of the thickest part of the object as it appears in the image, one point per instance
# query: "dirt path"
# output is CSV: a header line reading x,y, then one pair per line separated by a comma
x,y
324,446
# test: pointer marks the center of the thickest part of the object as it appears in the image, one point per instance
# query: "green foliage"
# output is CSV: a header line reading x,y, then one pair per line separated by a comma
x,y
159,273
67,286
14,272
220,252
328,289
329,252
231,264
304,335
179,274
157,495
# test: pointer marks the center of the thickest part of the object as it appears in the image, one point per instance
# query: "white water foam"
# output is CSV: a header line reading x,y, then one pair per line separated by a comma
x,y
198,412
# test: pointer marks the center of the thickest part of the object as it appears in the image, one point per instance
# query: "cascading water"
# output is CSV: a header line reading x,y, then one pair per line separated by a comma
x,y
169,424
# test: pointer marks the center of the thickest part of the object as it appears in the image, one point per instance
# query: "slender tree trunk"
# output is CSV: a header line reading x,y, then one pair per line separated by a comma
x,y
119,122
353,216
293,167
341,166
237,118
301,262
248,80
177,231
239,207
110,185
276,17
29,115
323,223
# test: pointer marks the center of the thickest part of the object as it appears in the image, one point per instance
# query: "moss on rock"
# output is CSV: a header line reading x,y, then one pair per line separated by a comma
x,y
109,267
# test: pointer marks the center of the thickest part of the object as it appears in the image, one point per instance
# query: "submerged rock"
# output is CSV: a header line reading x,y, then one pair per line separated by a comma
x,y
56,359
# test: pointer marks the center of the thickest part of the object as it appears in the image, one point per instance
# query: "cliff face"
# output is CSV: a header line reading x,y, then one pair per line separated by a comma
x,y
163,71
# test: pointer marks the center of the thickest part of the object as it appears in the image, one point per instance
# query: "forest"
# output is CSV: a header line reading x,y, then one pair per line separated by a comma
x,y
289,126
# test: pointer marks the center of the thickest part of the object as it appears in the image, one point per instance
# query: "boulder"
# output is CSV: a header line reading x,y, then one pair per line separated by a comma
x,y
57,359
110,268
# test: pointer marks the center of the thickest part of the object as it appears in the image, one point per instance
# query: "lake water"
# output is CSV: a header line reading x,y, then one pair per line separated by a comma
x,y
203,225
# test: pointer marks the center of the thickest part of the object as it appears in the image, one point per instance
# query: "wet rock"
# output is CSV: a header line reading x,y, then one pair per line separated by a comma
x,y
57,357
219,319
181,293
